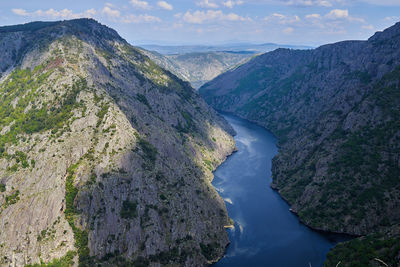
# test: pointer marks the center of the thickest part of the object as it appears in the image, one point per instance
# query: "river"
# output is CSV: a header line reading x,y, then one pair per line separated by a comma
x,y
266,233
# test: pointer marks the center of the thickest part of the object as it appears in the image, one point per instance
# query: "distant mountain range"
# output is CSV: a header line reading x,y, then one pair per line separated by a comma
x,y
199,67
239,47
199,64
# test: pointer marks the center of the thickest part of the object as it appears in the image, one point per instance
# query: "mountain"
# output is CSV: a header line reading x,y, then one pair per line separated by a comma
x,y
105,158
199,67
234,47
199,64
335,110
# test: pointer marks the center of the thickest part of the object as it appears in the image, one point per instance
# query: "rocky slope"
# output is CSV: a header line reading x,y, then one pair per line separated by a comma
x,y
335,110
104,156
199,67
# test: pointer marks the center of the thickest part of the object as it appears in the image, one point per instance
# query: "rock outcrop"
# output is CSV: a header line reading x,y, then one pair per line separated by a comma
x,y
104,156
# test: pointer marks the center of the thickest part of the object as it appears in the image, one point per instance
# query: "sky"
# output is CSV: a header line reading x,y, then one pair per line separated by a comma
x,y
215,22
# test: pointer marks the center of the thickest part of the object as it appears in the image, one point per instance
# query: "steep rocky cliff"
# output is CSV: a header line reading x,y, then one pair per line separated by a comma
x,y
104,156
335,110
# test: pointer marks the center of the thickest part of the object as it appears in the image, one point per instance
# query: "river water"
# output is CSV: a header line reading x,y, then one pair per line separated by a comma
x,y
266,233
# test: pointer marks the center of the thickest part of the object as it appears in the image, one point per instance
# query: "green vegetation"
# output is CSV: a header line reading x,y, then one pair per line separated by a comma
x,y
357,168
270,100
209,250
254,80
210,165
150,153
81,236
363,76
164,80
70,192
141,262
106,55
32,26
188,125
128,210
364,251
363,172
21,161
143,99
166,257
65,261
19,92
2,188
102,112
42,235
11,199
259,78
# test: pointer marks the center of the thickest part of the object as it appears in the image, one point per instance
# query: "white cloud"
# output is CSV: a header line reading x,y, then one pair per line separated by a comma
x,y
55,14
232,17
112,13
392,18
342,14
115,14
323,3
207,4
288,30
140,19
279,16
231,4
178,26
313,16
165,5
338,14
140,4
199,17
334,22
20,12
90,12
368,27
282,19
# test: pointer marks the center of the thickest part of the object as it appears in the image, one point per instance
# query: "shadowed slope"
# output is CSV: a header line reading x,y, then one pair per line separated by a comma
x,y
335,112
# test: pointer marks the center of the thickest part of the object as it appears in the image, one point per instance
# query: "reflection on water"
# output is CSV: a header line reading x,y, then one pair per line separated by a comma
x,y
265,232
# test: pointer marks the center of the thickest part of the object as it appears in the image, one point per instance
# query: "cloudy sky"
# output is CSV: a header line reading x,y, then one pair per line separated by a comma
x,y
308,22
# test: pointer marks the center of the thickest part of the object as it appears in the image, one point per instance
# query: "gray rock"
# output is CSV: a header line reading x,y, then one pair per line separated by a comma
x,y
138,144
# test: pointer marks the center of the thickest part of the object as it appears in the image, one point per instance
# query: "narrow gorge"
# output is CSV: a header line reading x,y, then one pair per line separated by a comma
x,y
335,112
108,156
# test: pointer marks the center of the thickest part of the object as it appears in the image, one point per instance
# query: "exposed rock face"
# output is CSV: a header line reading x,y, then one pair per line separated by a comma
x,y
105,157
199,67
335,110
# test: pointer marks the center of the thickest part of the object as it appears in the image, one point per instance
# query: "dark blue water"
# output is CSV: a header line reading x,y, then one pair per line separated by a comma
x,y
266,233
